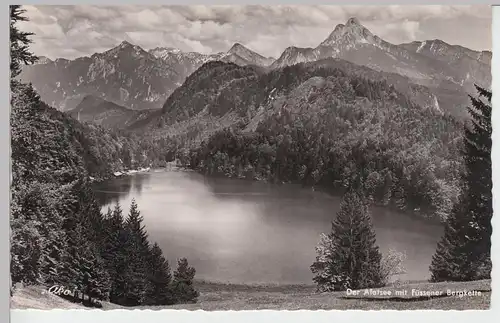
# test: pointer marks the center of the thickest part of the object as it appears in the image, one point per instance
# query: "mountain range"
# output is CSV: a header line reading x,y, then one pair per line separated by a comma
x,y
126,74
429,63
432,72
449,70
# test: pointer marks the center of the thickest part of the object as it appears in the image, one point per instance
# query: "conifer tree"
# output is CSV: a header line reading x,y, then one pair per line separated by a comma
x,y
84,270
464,251
115,254
159,279
348,256
92,218
183,289
137,247
96,281
19,43
113,231
133,223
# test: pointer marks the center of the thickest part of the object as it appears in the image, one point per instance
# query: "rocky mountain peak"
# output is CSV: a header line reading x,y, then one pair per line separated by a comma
x,y
353,21
240,54
351,33
124,49
125,44
237,47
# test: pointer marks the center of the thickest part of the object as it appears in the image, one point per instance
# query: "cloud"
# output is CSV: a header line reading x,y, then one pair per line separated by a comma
x,y
72,31
398,32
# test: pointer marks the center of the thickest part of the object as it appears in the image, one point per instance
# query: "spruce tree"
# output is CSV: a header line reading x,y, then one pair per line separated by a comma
x,y
115,254
133,223
464,251
182,284
19,43
90,212
96,281
348,256
137,247
159,279
83,268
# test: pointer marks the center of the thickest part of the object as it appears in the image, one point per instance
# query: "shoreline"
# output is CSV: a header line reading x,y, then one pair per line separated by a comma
x,y
318,188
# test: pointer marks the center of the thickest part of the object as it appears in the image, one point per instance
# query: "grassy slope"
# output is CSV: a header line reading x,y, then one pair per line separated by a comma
x,y
215,296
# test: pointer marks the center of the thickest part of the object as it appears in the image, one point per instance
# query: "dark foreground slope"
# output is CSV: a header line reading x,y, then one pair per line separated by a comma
x,y
221,297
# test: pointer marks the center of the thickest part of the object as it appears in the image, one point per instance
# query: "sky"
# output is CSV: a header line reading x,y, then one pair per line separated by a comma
x,y
81,30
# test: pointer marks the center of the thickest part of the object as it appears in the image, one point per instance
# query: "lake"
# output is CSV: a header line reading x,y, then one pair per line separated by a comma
x,y
242,231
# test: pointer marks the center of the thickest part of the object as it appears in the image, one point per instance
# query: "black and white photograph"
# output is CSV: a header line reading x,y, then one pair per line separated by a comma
x,y
250,157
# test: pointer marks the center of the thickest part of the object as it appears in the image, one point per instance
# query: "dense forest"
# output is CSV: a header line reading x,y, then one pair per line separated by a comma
x,y
105,151
327,124
58,234
464,251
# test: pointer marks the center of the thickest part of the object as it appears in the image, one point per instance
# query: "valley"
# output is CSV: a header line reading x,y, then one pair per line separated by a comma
x,y
234,159
333,95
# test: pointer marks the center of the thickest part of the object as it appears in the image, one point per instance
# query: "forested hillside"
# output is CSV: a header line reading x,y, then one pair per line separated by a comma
x,y
217,88
104,113
317,124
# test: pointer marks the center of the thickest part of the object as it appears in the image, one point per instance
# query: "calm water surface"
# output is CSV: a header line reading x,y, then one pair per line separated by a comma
x,y
250,232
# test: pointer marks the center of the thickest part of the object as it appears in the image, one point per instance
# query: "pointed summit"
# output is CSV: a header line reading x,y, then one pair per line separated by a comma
x,y
123,50
241,55
237,47
125,44
353,32
130,47
353,21
118,48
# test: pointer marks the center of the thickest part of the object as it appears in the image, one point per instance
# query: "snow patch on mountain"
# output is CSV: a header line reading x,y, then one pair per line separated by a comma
x,y
419,49
436,105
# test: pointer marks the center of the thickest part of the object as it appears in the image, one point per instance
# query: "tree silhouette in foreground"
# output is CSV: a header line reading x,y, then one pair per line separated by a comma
x,y
464,251
19,42
182,284
348,256
159,279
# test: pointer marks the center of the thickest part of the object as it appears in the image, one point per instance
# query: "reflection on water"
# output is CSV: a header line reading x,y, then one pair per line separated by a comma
x,y
246,232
